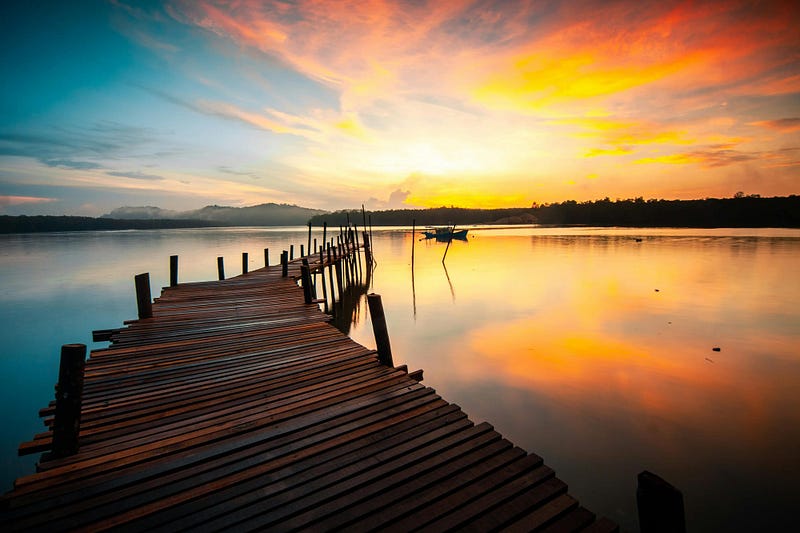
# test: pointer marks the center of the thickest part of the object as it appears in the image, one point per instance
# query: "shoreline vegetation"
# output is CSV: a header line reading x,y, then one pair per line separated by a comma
x,y
738,212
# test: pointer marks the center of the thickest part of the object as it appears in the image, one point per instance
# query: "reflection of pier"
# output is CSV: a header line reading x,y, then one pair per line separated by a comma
x,y
234,404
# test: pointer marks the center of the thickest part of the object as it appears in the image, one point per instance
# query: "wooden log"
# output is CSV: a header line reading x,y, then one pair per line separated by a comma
x,y
221,268
379,329
173,270
69,394
266,257
244,262
284,263
144,302
660,505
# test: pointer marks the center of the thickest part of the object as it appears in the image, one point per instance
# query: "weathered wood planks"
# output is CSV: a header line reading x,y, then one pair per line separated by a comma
x,y
237,406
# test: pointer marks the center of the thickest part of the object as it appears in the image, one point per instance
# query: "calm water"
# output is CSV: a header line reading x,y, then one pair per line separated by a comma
x,y
584,346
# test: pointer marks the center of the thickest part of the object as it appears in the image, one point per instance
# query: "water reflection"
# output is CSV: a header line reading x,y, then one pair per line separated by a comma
x,y
594,349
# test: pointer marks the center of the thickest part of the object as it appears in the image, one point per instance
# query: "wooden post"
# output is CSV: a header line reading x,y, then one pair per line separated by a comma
x,y
330,274
302,250
324,233
315,245
143,301
244,262
322,271
309,239
413,238
660,505
173,270
266,257
305,276
221,268
69,394
379,329
367,250
284,263
291,252
452,230
338,262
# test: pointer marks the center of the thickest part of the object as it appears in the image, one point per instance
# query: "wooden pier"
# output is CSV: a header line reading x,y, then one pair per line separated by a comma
x,y
237,406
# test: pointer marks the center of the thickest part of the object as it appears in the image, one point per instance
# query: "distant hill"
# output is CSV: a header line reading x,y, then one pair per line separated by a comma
x,y
258,215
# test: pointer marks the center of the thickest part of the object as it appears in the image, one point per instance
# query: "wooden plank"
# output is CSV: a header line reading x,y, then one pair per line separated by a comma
x,y
239,406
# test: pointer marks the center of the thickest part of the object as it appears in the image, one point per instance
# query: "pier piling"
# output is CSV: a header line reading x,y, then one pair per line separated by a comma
x,y
69,395
173,270
379,329
144,302
221,268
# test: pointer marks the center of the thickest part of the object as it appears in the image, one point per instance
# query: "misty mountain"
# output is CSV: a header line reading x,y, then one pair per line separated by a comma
x,y
258,215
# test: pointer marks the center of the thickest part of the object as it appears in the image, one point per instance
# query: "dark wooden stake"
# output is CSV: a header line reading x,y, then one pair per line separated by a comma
x,y
379,329
266,257
221,268
305,277
452,230
291,252
284,263
69,394
244,262
309,239
339,282
173,270
143,301
413,238
322,270
660,505
330,274
302,250
324,233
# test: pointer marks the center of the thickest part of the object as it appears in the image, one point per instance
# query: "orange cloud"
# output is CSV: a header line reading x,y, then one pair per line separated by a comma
x,y
783,125
6,200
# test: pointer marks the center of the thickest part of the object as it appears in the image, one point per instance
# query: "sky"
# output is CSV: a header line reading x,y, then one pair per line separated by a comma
x,y
334,104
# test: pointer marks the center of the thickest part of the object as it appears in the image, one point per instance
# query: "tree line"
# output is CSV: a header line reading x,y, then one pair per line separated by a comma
x,y
739,211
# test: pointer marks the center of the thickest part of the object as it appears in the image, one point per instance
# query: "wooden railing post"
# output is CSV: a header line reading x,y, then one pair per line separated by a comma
x,y
244,262
291,252
305,277
660,505
144,302
379,329
221,268
266,257
69,394
284,263
173,270
330,275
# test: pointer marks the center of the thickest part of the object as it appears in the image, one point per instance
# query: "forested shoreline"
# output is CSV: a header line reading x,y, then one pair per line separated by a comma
x,y
737,212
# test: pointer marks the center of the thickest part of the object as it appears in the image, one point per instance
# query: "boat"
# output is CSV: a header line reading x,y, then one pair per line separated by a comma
x,y
446,234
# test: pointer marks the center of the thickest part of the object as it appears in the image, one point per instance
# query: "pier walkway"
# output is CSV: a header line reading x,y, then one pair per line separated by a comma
x,y
237,406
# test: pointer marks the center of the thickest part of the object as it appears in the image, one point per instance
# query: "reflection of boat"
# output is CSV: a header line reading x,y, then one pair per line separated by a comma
x,y
445,234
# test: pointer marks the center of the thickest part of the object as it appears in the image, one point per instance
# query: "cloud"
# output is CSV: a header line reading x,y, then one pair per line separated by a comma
x,y
24,200
783,125
66,163
136,175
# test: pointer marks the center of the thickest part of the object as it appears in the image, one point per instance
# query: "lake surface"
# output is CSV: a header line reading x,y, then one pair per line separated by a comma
x,y
593,348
